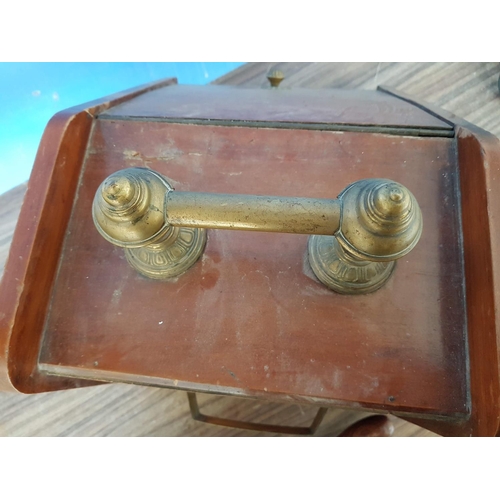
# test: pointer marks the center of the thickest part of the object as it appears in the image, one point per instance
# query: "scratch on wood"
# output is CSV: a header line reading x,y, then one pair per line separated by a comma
x,y
227,370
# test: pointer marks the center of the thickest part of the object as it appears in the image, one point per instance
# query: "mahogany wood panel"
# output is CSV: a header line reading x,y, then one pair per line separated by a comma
x,y
478,154
250,318
480,177
35,250
296,106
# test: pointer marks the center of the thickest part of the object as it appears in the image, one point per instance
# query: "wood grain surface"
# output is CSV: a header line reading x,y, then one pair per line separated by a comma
x,y
468,90
250,318
300,106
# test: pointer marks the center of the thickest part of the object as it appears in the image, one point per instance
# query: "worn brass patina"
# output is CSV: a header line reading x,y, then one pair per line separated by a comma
x,y
356,238
253,213
380,223
129,211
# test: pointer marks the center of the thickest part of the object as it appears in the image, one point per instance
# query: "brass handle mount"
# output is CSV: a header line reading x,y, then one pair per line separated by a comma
x,y
355,239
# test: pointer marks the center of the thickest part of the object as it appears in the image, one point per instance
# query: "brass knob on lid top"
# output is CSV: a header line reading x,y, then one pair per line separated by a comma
x,y
275,78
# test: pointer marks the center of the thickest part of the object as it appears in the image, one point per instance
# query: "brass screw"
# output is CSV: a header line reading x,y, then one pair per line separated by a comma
x,y
275,78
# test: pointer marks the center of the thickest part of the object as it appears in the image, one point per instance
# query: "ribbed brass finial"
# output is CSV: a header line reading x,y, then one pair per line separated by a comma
x,y
129,211
128,207
118,191
381,220
275,78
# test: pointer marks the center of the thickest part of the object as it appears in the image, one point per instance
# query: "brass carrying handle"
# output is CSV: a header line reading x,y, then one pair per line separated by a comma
x,y
355,238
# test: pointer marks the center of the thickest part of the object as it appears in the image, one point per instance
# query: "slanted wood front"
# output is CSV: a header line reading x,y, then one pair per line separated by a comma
x,y
250,318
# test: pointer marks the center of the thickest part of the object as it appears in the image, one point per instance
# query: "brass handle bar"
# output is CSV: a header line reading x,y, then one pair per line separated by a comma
x,y
354,240
252,213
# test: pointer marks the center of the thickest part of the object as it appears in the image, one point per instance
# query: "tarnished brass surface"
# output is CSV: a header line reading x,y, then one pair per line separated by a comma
x,y
380,222
253,213
171,256
356,238
342,272
129,211
128,207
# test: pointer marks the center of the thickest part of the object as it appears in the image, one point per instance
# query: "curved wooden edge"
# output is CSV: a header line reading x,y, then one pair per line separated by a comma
x,y
478,153
375,426
36,246
479,160
98,106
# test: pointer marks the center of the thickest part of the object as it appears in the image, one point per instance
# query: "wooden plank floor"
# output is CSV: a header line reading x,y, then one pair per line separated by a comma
x,y
470,90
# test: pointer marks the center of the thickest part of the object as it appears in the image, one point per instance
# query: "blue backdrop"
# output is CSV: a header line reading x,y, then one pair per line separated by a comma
x,y
31,93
